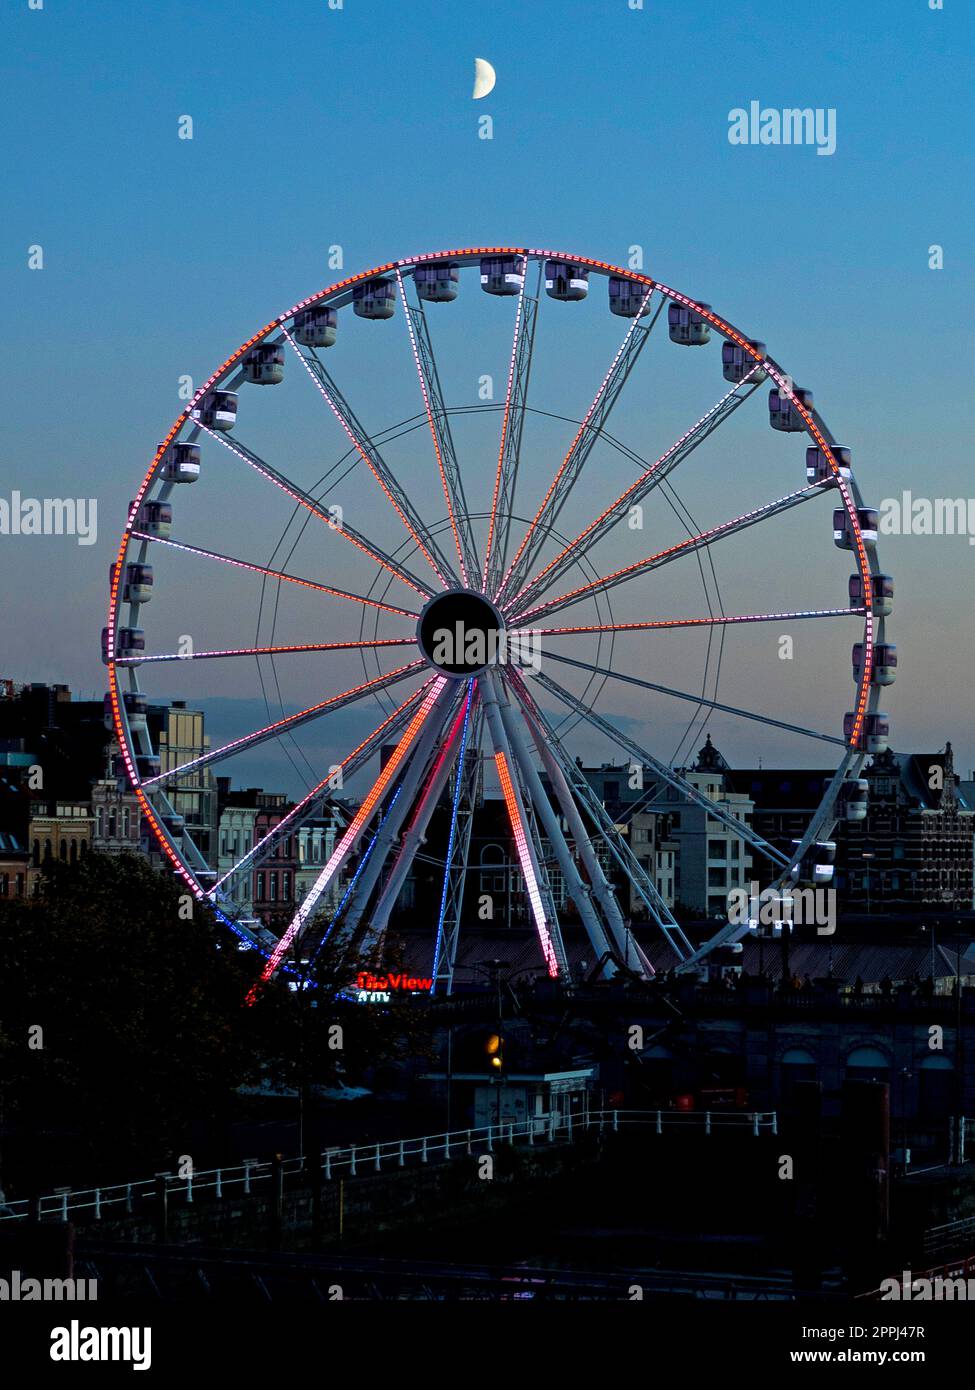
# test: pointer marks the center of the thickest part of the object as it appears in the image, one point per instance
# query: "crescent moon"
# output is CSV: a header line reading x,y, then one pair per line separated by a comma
x,y
484,78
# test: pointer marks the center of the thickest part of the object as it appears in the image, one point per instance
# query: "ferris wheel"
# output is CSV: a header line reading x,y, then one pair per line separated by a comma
x,y
467,542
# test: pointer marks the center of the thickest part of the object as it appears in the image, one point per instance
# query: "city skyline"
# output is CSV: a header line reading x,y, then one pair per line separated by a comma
x,y
192,326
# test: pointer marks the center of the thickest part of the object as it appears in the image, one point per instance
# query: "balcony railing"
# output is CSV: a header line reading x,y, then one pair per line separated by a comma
x,y
360,1160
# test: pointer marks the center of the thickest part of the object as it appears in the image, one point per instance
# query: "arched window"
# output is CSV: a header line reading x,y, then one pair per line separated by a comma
x,y
74,852
493,863
63,851
48,853
36,852
867,1064
797,1065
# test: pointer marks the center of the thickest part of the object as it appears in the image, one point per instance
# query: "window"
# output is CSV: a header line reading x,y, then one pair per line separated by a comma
x,y
260,888
717,849
286,886
274,886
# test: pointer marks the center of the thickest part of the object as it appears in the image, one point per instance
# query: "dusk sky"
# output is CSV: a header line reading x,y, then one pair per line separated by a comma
x,y
315,128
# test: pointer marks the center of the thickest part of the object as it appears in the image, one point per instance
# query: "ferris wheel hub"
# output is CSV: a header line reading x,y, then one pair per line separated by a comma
x,y
461,633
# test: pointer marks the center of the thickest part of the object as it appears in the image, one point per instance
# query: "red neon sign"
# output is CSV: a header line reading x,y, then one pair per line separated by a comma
x,y
384,983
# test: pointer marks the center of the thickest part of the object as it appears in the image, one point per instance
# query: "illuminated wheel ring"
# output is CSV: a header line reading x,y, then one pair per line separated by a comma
x,y
134,748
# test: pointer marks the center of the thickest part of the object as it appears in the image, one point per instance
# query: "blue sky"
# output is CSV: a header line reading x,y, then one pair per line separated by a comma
x,y
315,127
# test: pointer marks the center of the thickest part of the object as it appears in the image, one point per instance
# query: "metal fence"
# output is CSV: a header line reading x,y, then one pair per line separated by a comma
x,y
359,1160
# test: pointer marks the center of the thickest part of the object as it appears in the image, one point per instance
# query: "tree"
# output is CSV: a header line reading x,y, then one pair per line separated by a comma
x,y
122,1022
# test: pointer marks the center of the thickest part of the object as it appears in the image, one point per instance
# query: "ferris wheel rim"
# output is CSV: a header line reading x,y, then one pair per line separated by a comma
x,y
868,695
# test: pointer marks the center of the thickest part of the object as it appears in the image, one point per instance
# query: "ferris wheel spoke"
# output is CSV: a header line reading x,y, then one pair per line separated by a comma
x,y
512,428
287,650
529,855
429,714
458,847
299,495
673,552
451,481
694,699
371,457
603,926
665,624
291,721
313,802
277,574
666,774
571,787
635,339
637,491
440,766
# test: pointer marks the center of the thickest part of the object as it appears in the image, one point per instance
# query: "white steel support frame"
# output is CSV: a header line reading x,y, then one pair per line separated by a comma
x,y
410,789
643,884
413,778
466,790
414,835
626,947
581,893
546,917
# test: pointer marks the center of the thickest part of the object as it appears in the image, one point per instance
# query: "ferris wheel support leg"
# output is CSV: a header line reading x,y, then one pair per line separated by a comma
x,y
627,948
546,922
413,777
413,838
580,892
455,870
618,847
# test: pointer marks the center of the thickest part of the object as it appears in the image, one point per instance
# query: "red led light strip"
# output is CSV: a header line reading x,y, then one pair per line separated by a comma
x,y
285,723
275,574
317,790
347,842
531,883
